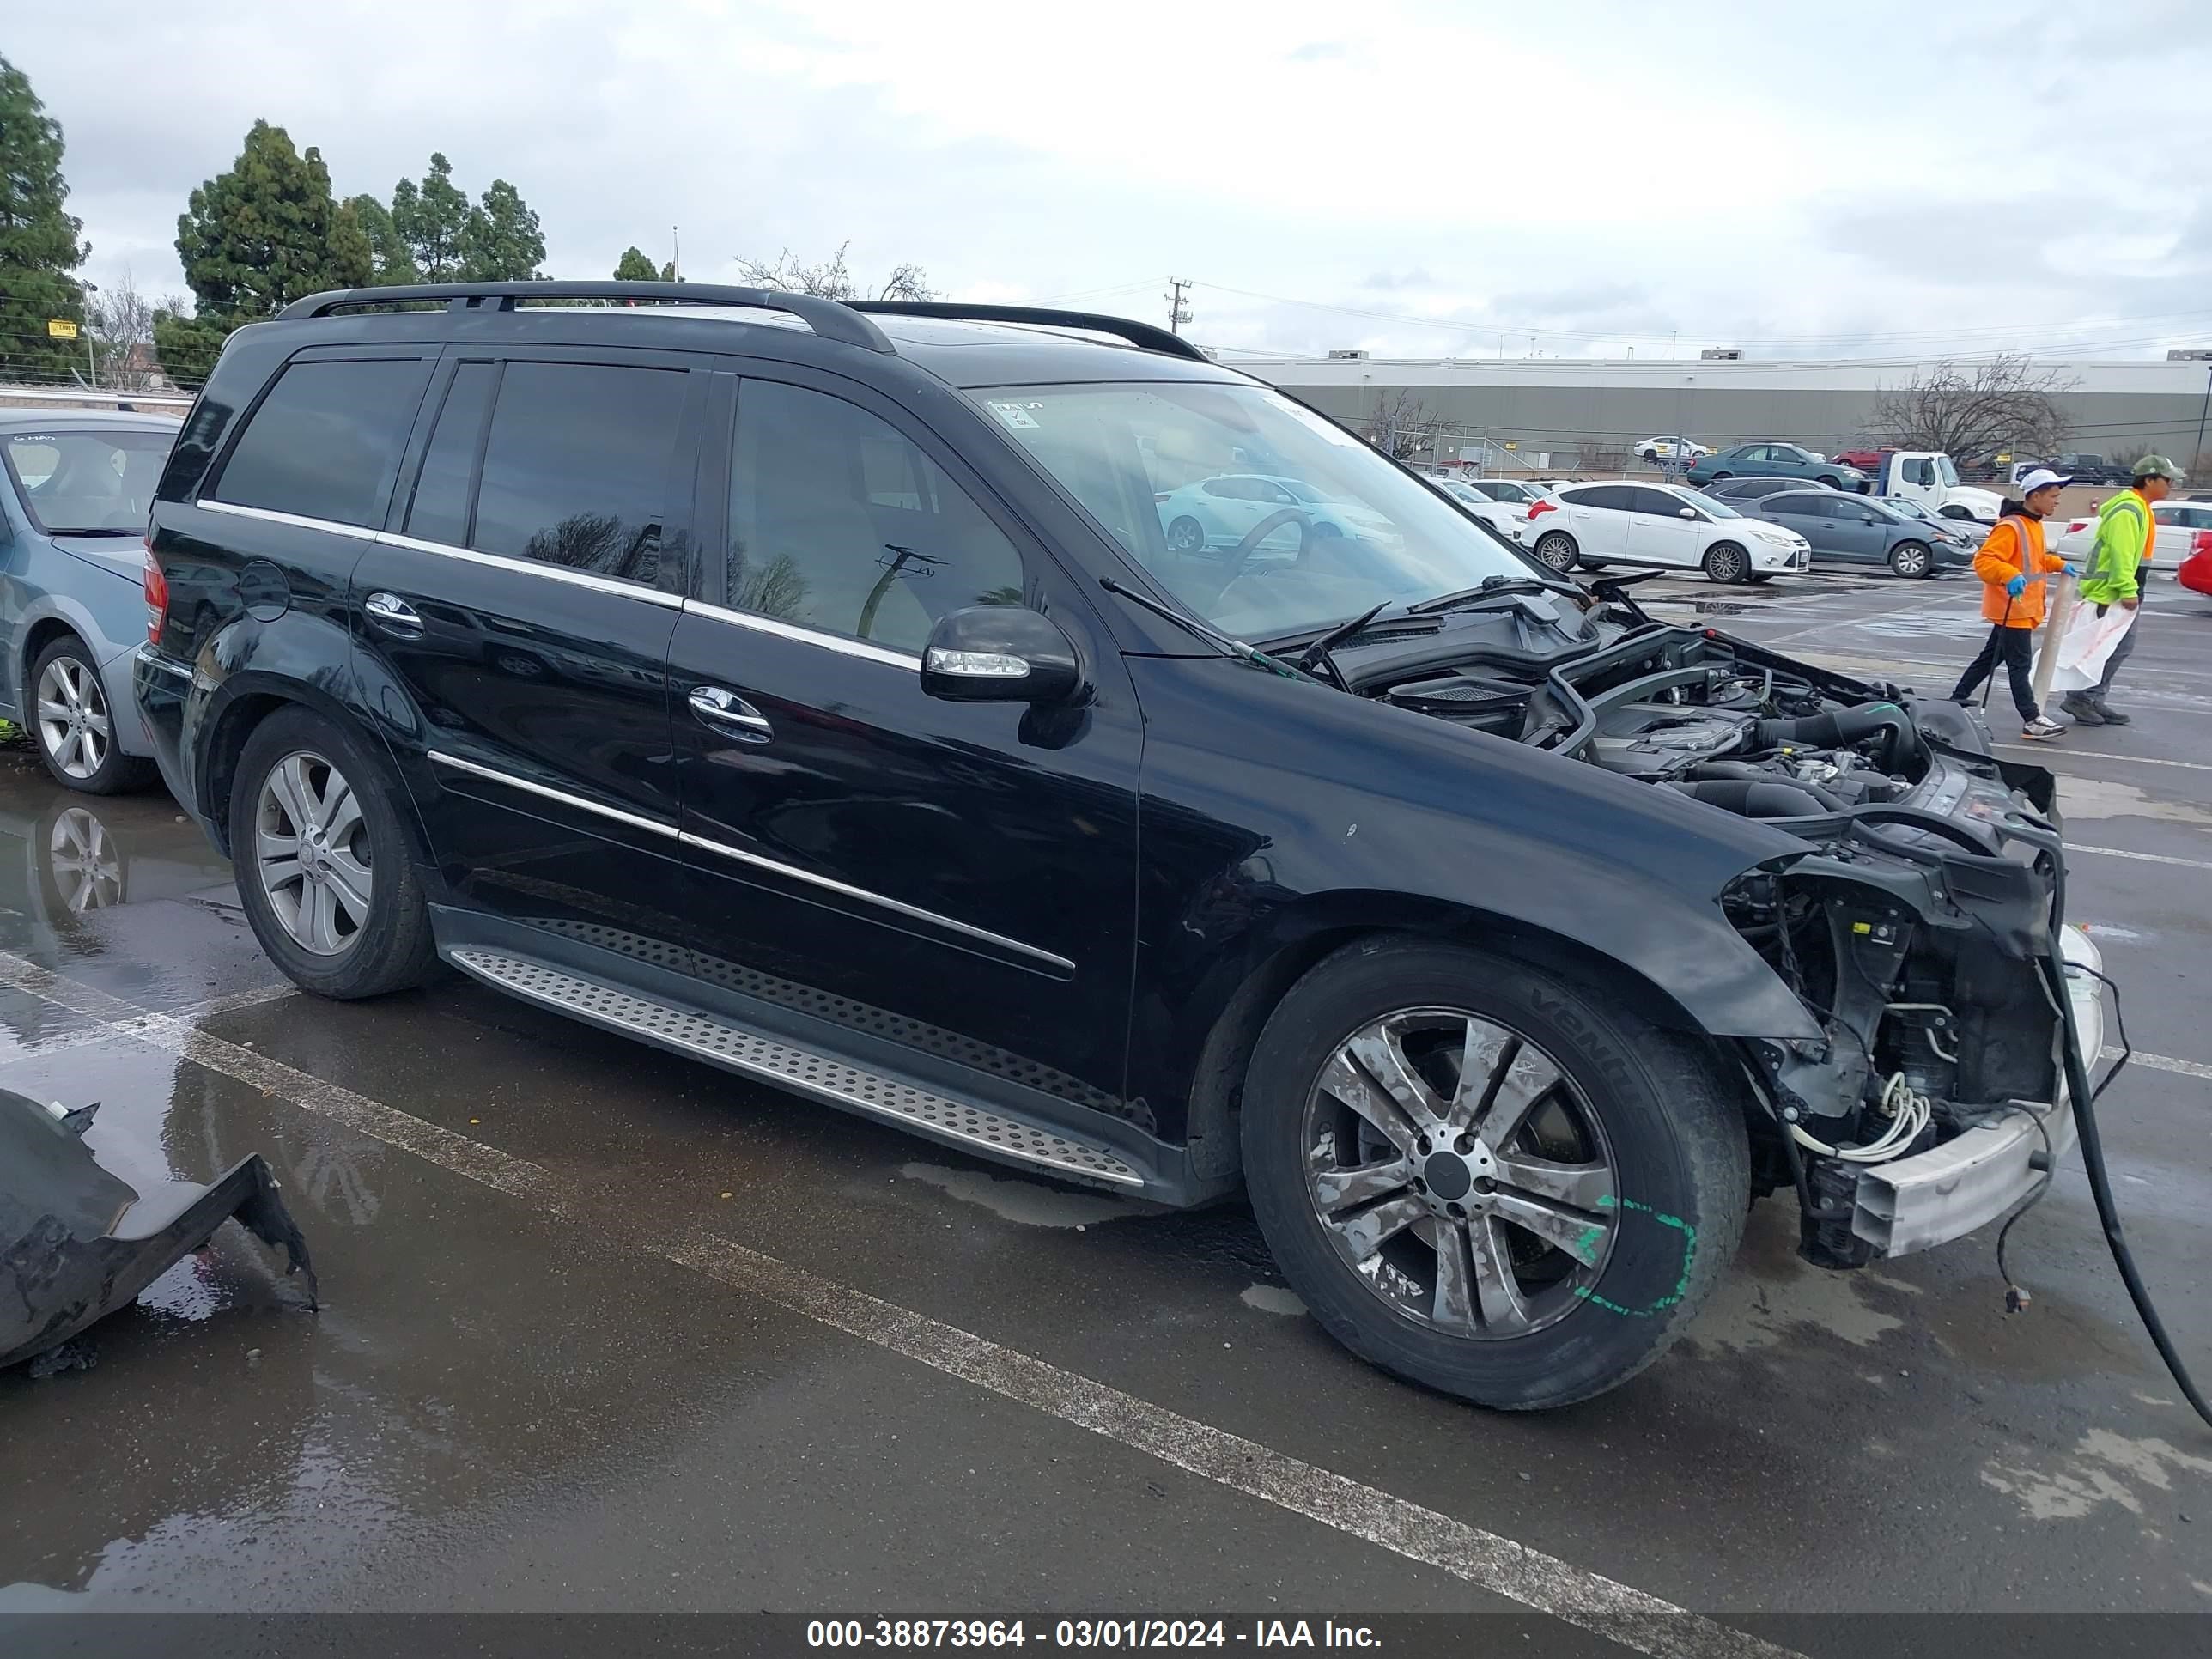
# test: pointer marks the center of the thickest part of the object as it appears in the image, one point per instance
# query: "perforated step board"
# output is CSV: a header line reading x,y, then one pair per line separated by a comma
x,y
845,1085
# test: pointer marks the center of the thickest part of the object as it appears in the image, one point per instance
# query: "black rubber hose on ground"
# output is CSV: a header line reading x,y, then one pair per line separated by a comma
x,y
2100,1185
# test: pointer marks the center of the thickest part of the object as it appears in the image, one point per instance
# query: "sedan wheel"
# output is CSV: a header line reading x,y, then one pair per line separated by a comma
x,y
1727,562
311,849
1186,535
1555,551
1460,1173
1911,559
73,721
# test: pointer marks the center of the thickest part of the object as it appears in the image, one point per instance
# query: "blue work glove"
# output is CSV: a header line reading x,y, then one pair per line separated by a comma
x,y
2069,568
2016,587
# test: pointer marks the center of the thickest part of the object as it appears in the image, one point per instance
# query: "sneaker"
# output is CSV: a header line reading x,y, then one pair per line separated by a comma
x,y
2084,712
2112,716
2042,726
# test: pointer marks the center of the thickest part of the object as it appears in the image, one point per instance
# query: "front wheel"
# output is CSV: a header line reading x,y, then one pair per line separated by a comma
x,y
1832,483
1759,578
1186,535
325,870
1911,559
1556,551
1727,562
1486,1179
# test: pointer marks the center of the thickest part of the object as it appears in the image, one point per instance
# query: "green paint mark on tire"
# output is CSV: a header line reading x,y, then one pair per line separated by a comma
x,y
1681,1284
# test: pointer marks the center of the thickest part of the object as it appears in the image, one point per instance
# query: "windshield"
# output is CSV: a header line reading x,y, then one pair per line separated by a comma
x,y
85,481
1713,505
1263,518
1945,470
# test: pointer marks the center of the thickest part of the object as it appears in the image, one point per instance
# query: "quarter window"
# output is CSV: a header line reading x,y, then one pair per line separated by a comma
x,y
577,466
840,522
325,442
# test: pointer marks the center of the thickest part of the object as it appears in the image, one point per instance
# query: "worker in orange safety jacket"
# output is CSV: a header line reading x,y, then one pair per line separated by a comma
x,y
2013,565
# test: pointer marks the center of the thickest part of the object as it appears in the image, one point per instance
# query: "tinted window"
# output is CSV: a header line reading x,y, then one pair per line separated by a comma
x,y
576,467
838,522
325,442
1801,507
443,491
1615,498
1656,501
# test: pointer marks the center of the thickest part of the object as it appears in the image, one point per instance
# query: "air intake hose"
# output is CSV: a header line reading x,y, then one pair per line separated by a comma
x,y
1755,800
1751,772
1846,726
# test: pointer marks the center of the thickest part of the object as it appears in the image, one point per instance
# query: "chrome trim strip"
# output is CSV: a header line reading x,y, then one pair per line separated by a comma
x,y
897,906
151,658
532,568
784,631
566,800
298,521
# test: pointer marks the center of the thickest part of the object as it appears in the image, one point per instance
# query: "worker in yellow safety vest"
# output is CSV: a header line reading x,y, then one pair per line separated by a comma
x,y
2126,534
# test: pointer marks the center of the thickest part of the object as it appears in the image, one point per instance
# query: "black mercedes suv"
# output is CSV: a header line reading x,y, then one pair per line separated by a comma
x,y
1015,726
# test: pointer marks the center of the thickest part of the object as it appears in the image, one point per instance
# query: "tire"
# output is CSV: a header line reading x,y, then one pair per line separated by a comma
x,y
1832,483
379,945
1759,578
1187,535
1721,477
1593,565
1912,559
1727,562
1653,1122
77,744
1556,551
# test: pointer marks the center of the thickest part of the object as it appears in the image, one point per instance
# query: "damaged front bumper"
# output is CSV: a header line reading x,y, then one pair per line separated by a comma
x,y
1947,1192
77,1242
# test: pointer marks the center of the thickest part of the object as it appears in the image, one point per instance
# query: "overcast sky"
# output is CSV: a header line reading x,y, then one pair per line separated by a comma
x,y
1870,179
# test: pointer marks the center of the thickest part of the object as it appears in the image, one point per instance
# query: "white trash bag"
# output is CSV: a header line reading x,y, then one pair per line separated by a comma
x,y
2086,646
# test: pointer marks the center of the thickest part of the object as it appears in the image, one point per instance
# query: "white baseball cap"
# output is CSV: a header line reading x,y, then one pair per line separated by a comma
x,y
2042,478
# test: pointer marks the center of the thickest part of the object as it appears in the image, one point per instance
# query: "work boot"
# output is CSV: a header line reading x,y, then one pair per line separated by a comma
x,y
2110,715
2084,712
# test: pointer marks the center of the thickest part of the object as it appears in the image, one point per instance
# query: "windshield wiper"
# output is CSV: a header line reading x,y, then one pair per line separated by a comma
x,y
1213,636
1492,586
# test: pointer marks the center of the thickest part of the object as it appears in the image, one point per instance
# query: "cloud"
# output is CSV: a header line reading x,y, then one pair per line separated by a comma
x,y
1315,51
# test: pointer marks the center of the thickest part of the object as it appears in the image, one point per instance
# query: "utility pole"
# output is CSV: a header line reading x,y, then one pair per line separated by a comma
x,y
1178,309
92,369
676,248
2202,412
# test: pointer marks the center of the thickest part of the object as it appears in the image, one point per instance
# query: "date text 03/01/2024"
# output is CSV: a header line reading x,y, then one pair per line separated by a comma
x,y
1107,1633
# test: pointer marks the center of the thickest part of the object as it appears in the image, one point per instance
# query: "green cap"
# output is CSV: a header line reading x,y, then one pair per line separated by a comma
x,y
2157,466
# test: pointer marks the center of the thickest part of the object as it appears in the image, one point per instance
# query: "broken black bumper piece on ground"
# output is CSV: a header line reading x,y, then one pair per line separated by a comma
x,y
77,1242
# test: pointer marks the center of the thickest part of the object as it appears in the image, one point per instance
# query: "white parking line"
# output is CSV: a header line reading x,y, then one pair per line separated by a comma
x,y
2098,754
2144,858
1486,1560
2161,1063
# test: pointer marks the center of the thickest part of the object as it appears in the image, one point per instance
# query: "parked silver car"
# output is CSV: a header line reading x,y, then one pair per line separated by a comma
x,y
73,505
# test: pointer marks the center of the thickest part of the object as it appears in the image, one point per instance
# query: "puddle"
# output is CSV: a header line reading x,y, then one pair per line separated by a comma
x,y
2093,798
1026,1203
1272,1298
1770,1296
2104,1469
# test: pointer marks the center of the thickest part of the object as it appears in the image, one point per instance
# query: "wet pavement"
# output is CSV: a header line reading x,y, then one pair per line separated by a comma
x,y
607,1330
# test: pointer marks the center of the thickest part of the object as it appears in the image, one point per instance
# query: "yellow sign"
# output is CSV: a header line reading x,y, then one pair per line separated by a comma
x,y
61,328
1513,446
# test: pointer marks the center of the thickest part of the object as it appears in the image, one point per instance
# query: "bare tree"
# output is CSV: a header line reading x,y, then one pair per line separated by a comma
x,y
2127,454
121,320
830,278
1972,410
1403,425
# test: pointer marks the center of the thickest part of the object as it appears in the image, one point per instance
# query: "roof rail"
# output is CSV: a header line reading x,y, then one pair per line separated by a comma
x,y
1142,335
827,318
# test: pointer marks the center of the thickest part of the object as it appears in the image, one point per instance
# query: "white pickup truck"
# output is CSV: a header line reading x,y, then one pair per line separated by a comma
x,y
1930,478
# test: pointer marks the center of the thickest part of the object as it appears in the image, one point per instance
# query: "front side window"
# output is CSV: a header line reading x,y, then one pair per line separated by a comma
x,y
325,442
577,466
839,522
79,482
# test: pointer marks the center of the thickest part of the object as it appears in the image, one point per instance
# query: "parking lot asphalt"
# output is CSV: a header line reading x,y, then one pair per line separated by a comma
x,y
603,1329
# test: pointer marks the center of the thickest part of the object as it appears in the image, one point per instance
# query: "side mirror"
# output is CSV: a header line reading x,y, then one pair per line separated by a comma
x,y
999,653
1686,511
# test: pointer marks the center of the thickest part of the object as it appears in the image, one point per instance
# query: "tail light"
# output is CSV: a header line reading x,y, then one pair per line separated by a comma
x,y
2074,527
1537,508
157,596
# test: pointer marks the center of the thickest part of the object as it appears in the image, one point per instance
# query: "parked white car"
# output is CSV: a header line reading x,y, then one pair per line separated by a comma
x,y
1659,527
1670,449
1505,517
1514,492
2177,523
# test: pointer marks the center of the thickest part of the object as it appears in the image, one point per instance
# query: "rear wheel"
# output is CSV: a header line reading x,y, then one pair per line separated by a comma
x,y
1556,551
326,871
1487,1179
1911,559
1722,478
1186,535
1727,562
75,725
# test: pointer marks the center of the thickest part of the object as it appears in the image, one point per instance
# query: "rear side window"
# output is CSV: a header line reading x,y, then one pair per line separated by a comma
x,y
577,466
325,442
1800,507
1614,496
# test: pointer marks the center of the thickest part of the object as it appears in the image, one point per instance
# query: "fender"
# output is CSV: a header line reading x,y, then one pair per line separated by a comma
x,y
78,617
1397,820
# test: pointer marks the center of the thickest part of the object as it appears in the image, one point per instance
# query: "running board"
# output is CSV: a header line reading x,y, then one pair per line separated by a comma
x,y
839,1084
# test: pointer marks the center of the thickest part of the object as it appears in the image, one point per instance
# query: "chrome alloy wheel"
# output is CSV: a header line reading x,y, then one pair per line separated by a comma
x,y
73,721
1459,1173
311,852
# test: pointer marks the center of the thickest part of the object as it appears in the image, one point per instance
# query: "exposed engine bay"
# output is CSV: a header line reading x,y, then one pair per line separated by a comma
x,y
1917,926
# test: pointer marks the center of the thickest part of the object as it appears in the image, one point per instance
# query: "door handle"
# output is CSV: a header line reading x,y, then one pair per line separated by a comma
x,y
725,711
392,614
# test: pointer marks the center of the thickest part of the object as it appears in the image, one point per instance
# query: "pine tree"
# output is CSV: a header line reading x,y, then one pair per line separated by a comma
x,y
502,241
390,261
38,246
252,240
635,267
432,219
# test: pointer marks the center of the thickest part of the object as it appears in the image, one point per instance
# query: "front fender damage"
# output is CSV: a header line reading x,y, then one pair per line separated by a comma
x,y
78,1241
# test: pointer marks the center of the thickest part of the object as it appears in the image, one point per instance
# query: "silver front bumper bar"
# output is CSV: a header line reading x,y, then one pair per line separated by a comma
x,y
1933,1197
